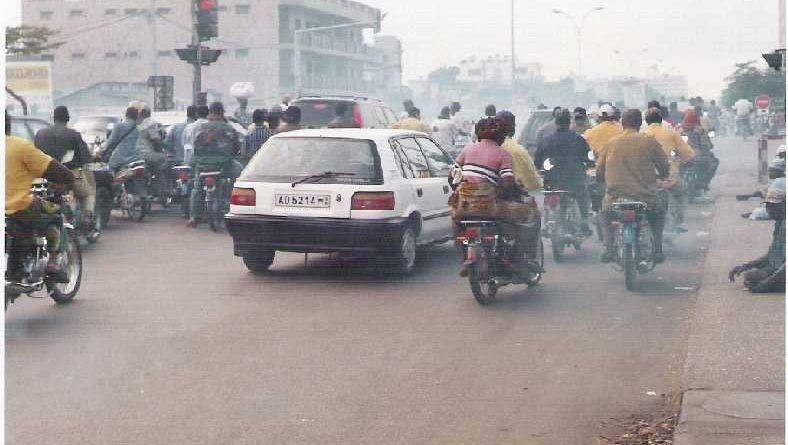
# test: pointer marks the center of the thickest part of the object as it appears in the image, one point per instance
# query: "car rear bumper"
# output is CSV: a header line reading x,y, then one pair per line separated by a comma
x,y
252,233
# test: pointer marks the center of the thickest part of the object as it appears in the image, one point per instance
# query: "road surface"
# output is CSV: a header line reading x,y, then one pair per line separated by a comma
x,y
172,341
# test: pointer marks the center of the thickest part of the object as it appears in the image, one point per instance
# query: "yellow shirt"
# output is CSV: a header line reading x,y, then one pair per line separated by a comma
x,y
412,124
599,136
524,169
671,140
23,163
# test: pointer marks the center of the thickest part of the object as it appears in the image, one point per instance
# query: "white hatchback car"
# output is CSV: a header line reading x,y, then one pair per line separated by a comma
x,y
373,193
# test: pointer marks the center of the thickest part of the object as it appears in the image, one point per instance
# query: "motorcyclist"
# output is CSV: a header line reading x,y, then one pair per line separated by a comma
x,y
630,166
698,138
291,120
201,115
443,129
744,109
413,122
343,119
122,144
598,137
484,177
24,163
56,141
580,122
679,152
548,128
215,145
568,152
173,142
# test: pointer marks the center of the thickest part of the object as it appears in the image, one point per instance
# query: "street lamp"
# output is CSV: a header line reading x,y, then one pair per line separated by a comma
x,y
297,45
578,24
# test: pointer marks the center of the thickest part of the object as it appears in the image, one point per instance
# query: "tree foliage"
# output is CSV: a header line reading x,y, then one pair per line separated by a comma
x,y
748,81
30,40
445,75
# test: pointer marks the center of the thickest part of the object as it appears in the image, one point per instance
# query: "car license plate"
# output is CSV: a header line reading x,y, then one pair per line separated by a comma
x,y
313,201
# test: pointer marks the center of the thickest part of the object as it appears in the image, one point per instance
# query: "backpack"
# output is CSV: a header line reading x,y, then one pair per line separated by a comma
x,y
215,138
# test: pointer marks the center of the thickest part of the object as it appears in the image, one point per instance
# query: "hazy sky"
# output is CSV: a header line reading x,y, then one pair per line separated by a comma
x,y
701,39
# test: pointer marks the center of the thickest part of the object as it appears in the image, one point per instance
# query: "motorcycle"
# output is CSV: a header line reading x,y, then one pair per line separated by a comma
x,y
743,127
104,187
131,191
633,240
27,256
182,188
562,219
489,258
215,190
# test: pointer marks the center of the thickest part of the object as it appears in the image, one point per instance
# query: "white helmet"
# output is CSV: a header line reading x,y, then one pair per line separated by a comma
x,y
607,109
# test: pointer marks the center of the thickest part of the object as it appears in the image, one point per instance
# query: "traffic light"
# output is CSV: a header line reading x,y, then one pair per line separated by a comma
x,y
207,12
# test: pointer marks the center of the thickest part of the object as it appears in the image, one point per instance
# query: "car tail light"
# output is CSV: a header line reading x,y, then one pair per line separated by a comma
x,y
357,116
552,200
629,216
243,197
210,181
183,176
372,201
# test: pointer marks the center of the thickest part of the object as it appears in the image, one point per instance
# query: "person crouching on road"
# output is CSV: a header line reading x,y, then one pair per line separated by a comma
x,y
767,273
630,166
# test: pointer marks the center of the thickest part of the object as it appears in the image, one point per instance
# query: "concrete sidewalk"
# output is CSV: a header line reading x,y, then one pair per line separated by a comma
x,y
734,380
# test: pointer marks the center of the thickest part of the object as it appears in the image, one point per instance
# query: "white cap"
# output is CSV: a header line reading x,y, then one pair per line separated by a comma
x,y
607,109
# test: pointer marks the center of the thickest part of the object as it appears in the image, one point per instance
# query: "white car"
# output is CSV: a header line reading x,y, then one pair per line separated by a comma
x,y
375,193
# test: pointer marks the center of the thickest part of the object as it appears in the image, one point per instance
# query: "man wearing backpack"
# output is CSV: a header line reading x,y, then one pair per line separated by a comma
x,y
215,146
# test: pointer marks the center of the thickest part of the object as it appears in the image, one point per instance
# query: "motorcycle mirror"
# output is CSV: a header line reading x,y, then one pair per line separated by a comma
x,y
685,137
591,156
67,157
712,134
547,165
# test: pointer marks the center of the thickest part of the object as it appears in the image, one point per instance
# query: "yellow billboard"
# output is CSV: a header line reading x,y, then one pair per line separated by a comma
x,y
32,81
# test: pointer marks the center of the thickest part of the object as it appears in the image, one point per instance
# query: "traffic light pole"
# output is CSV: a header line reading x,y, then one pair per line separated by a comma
x,y
197,66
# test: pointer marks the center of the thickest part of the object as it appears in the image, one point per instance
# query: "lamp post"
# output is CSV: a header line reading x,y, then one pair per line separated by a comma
x,y
297,46
578,24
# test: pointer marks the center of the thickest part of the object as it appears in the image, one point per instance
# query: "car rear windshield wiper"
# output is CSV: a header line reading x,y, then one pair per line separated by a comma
x,y
321,176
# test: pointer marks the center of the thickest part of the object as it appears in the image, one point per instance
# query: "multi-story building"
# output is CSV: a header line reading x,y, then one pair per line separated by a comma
x,y
112,46
496,70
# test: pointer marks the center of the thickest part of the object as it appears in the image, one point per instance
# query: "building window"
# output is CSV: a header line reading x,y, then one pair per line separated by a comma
x,y
242,52
242,9
111,11
77,56
165,53
76,13
110,55
163,11
131,11
46,15
297,23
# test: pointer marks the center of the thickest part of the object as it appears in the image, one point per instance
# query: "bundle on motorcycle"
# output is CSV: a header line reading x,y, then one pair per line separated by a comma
x,y
131,192
633,239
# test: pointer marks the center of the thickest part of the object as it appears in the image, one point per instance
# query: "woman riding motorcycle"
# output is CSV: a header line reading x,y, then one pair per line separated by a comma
x,y
484,183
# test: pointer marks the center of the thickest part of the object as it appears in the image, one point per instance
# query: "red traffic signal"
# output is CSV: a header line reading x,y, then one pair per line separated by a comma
x,y
207,5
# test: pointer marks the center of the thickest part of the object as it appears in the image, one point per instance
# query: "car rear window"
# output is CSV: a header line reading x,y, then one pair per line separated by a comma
x,y
318,113
289,159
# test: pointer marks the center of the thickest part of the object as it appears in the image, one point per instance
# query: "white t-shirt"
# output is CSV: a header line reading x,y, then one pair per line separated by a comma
x,y
444,132
743,107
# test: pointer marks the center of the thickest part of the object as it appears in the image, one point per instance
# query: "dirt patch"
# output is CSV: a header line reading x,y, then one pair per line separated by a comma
x,y
654,428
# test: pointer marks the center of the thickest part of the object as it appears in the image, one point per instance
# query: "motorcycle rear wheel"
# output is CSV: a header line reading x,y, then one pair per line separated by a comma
x,y
630,270
64,293
483,290
535,279
557,242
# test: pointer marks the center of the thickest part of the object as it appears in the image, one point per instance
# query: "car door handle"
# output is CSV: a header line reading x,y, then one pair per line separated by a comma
x,y
445,189
419,192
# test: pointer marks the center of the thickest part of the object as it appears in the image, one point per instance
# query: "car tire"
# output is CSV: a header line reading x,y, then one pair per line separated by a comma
x,y
259,262
404,260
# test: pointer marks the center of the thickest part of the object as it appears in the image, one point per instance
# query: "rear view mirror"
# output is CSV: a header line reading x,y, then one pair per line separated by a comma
x,y
712,134
591,156
547,165
685,137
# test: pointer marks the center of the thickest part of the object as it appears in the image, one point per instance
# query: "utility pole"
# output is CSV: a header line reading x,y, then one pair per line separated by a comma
x,y
514,64
152,18
781,23
197,66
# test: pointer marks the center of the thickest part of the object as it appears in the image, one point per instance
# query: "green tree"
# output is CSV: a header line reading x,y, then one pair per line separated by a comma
x,y
29,40
748,81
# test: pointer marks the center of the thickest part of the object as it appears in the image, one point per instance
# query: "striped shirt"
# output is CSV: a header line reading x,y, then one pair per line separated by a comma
x,y
255,140
485,161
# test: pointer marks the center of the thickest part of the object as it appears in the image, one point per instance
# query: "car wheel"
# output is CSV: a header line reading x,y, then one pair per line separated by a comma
x,y
259,262
405,259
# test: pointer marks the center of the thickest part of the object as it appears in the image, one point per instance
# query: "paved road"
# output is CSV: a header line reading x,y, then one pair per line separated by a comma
x,y
172,341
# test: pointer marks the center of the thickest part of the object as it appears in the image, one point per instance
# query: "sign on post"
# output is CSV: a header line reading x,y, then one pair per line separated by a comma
x,y
33,82
763,101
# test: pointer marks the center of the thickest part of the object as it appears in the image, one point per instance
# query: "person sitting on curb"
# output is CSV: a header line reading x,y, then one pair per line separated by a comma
x,y
767,273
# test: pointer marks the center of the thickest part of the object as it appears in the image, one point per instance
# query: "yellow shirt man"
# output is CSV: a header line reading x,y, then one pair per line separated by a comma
x,y
599,136
23,163
524,169
671,141
412,124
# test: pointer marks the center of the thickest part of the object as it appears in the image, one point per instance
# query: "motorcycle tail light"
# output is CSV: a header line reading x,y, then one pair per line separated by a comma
x,y
183,176
243,197
629,216
210,181
472,233
139,171
488,239
552,200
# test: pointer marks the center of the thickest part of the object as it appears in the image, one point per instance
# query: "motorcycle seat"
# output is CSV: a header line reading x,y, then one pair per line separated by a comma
x,y
629,205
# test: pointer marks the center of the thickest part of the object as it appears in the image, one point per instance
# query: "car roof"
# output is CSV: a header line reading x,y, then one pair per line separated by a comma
x,y
349,133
